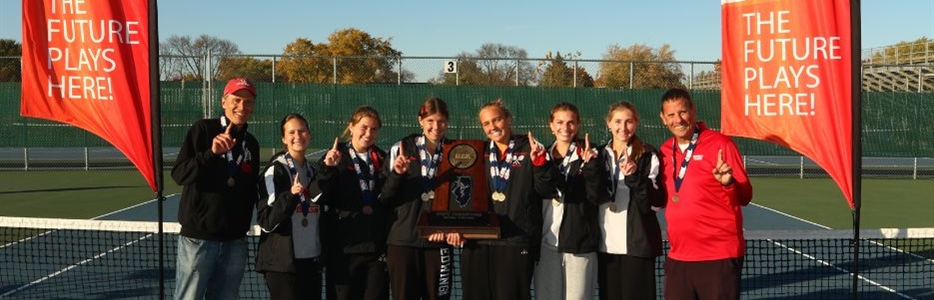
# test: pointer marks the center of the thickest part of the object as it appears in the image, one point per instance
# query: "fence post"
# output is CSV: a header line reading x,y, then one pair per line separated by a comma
x,y
914,170
399,74
517,72
801,168
87,160
334,69
25,158
632,72
691,78
575,73
274,69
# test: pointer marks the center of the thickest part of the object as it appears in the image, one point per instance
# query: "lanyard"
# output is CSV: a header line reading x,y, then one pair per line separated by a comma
x,y
231,162
429,162
500,170
687,158
570,156
309,173
617,164
367,181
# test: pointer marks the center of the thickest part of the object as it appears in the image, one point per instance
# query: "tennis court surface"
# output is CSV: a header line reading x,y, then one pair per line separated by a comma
x,y
109,259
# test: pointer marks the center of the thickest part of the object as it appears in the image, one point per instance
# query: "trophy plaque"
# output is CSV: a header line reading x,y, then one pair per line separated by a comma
x,y
460,203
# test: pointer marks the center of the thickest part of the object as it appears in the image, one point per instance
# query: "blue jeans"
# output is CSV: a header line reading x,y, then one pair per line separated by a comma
x,y
209,269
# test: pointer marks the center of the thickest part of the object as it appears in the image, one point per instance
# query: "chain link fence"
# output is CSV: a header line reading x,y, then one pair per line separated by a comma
x,y
898,104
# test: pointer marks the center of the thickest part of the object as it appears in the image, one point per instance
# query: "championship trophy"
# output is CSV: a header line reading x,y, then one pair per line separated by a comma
x,y
460,199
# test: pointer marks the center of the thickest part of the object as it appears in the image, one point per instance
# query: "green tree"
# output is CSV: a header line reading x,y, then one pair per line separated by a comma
x,y
11,53
255,69
186,58
492,64
358,57
558,74
646,67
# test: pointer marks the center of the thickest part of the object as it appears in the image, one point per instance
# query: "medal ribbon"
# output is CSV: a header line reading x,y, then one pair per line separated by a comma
x,y
688,152
429,162
308,172
617,165
367,180
565,164
499,170
231,162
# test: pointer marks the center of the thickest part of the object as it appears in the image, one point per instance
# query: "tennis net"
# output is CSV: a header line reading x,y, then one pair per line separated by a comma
x,y
94,259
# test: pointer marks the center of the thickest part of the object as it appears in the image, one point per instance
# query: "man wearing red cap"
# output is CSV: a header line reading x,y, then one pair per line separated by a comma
x,y
218,167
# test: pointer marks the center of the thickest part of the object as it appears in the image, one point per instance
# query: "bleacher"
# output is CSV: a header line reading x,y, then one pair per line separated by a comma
x,y
885,69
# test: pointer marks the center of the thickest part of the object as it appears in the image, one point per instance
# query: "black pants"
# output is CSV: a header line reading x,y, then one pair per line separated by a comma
x,y
714,279
356,276
497,272
625,277
420,273
305,283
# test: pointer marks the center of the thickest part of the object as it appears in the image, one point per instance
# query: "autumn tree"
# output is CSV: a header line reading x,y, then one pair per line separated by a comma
x,y
249,67
358,57
557,73
10,56
646,67
187,58
492,64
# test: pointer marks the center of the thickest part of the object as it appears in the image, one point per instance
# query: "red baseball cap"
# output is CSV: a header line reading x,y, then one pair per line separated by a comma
x,y
239,83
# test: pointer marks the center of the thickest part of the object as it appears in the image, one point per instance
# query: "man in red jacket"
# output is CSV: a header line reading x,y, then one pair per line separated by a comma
x,y
706,187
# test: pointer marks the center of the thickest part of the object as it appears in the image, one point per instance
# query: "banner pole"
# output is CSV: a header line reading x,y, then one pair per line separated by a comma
x,y
856,72
156,115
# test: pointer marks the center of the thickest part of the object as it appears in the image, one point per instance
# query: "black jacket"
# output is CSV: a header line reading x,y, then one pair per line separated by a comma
x,y
644,235
345,228
402,197
584,188
520,216
276,248
209,208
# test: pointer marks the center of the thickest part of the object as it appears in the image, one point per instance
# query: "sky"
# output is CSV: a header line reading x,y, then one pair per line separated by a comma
x,y
448,28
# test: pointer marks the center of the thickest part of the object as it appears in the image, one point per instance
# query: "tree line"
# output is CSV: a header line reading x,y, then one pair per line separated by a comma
x,y
361,58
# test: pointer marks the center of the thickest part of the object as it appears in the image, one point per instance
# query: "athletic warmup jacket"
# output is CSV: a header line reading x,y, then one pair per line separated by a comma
x,y
706,223
520,216
402,197
279,214
633,228
209,208
584,187
345,227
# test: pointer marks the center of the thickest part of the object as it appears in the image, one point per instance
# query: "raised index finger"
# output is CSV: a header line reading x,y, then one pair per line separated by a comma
x,y
587,142
720,157
227,131
334,147
296,179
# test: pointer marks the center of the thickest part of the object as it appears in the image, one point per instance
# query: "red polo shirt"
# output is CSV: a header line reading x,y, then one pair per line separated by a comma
x,y
706,221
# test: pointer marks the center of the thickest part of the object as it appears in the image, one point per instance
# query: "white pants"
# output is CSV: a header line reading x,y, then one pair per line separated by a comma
x,y
565,276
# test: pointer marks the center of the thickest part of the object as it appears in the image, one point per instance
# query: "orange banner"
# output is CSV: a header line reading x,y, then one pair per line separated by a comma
x,y
86,63
787,79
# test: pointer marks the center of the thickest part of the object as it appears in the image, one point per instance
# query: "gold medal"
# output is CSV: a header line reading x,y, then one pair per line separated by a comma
x,y
304,222
555,202
613,208
231,182
674,198
499,197
431,195
425,197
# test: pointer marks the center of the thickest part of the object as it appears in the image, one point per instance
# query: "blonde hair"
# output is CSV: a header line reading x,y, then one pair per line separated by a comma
x,y
498,104
364,111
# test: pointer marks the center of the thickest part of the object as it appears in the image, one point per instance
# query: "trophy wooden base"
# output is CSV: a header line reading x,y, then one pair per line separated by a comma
x,y
470,224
